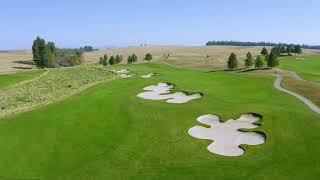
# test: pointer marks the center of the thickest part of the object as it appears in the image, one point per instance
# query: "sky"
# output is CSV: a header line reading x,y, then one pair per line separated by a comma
x,y
105,23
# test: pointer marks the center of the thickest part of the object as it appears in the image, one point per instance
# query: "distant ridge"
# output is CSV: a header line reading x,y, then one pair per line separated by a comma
x,y
262,43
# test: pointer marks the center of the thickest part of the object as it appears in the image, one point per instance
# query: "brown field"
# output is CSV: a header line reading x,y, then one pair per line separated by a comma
x,y
14,61
305,88
204,57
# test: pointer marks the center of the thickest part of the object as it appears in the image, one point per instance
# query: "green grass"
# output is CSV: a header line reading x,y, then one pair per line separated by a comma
x,y
56,84
106,132
8,79
308,69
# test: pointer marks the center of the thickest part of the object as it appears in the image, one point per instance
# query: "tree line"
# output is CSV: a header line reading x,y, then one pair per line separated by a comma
x,y
87,49
47,55
262,43
104,60
271,58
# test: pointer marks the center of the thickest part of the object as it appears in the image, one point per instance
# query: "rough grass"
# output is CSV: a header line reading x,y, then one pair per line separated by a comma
x,y
307,89
106,132
52,86
308,69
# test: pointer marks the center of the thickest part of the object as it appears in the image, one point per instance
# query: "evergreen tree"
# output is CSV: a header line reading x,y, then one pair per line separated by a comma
x,y
49,57
276,51
283,49
290,48
273,60
249,60
259,62
118,59
105,60
51,47
148,57
232,61
35,51
297,49
129,60
264,51
134,58
112,60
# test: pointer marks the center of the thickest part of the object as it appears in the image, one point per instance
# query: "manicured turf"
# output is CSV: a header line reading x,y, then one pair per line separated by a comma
x,y
309,68
9,79
106,132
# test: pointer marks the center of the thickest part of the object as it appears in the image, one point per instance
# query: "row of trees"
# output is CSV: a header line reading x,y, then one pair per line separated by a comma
x,y
283,50
248,43
43,53
271,59
87,48
47,55
113,60
118,59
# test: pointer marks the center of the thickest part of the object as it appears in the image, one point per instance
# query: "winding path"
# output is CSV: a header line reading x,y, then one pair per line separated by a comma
x,y
310,104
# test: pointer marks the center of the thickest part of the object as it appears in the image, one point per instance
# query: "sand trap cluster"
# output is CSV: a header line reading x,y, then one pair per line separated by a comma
x,y
227,136
121,71
300,58
148,75
123,76
160,92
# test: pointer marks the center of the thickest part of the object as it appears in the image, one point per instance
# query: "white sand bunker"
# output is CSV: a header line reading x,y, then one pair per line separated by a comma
x,y
227,136
148,75
124,76
122,71
160,92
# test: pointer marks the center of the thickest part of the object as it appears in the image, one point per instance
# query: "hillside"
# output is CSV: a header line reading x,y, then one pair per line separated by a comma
x,y
206,57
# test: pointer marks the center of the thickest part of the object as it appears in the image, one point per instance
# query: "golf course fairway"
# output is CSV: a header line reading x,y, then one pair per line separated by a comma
x,y
107,132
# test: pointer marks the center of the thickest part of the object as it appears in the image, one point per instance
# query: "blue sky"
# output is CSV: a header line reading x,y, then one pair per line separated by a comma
x,y
74,23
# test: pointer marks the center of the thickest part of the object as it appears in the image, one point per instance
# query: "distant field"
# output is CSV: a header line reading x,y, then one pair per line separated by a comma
x,y
204,57
14,61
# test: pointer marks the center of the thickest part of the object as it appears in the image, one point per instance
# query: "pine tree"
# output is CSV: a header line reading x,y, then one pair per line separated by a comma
x,y
105,60
148,57
129,61
42,53
297,49
264,51
259,62
249,60
273,60
134,58
290,48
232,61
112,60
35,51
118,59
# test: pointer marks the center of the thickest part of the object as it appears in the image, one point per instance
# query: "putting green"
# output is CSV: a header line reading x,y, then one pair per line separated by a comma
x,y
106,132
308,69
